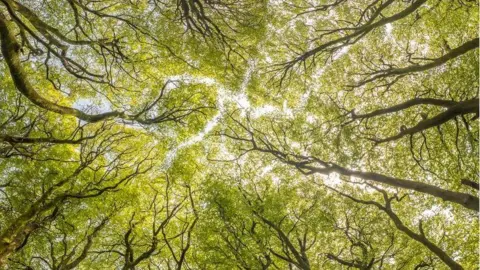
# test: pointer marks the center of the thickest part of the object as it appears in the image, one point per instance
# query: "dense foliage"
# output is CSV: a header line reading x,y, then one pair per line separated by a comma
x,y
239,134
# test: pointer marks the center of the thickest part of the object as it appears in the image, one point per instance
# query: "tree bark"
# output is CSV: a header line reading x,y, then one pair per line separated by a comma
x,y
465,107
464,199
10,51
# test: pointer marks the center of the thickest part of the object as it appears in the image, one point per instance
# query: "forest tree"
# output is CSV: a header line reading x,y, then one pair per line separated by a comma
x,y
239,134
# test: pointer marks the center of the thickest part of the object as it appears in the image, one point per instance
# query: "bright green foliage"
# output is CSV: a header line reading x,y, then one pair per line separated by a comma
x,y
239,134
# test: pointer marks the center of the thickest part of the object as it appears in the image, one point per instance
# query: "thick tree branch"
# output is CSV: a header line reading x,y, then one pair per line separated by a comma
x,y
10,51
470,183
405,105
30,140
309,165
357,34
464,48
419,237
461,108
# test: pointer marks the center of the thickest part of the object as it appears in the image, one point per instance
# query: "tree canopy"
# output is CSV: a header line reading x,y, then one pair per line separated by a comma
x,y
239,134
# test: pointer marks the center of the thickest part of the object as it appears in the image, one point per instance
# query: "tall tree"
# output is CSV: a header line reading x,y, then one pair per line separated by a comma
x,y
201,134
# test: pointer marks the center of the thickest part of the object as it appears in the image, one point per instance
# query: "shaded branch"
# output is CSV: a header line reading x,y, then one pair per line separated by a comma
x,y
461,108
405,105
419,237
464,48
